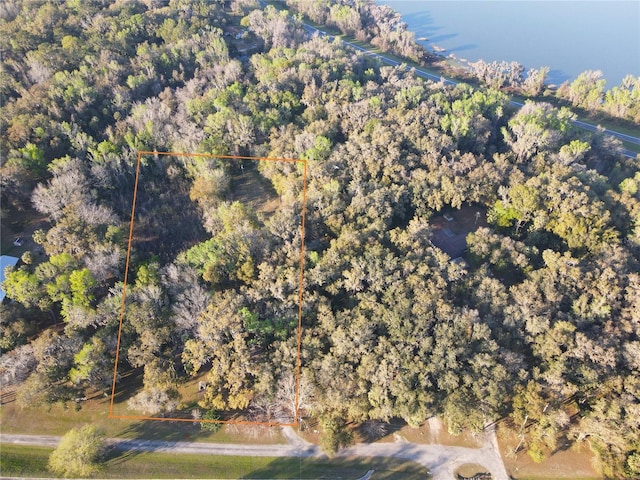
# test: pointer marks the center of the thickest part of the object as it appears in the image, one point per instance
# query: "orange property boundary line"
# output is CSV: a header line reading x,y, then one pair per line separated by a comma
x,y
126,276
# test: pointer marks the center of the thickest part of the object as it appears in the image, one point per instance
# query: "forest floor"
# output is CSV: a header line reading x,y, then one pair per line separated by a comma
x,y
450,236
21,224
251,188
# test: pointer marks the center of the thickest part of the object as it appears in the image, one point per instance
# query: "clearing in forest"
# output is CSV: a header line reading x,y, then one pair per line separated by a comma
x,y
162,224
450,230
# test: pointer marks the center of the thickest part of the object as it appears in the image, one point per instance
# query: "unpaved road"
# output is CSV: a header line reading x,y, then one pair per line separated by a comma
x,y
177,447
441,460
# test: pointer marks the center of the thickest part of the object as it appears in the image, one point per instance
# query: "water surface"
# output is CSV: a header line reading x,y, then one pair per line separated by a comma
x,y
568,36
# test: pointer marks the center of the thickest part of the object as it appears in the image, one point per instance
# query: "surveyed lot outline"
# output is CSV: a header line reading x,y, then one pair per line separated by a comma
x,y
126,277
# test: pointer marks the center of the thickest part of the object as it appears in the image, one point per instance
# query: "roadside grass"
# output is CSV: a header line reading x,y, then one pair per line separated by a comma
x,y
20,460
618,125
551,476
449,68
59,419
631,146
343,468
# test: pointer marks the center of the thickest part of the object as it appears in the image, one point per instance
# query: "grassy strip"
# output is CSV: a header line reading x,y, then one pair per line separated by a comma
x,y
631,146
58,420
20,460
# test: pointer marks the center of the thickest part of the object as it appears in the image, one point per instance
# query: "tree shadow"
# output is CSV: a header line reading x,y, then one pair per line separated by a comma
x,y
444,36
156,436
128,384
116,455
563,443
170,431
340,468
372,431
421,23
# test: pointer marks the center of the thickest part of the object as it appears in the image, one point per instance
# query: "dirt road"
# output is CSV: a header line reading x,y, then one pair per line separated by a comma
x,y
441,460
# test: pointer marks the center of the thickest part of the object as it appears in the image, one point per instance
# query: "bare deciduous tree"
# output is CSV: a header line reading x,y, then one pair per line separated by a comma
x,y
16,365
153,401
286,396
68,189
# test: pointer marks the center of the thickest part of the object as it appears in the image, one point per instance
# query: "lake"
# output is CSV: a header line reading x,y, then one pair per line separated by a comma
x,y
568,36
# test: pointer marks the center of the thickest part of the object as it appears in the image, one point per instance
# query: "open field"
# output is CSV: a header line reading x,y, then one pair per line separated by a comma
x,y
32,461
19,461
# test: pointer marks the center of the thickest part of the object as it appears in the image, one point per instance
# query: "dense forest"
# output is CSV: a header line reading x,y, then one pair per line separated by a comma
x,y
537,328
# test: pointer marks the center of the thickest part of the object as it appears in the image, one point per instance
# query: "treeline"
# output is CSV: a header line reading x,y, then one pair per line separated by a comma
x,y
369,22
539,329
586,92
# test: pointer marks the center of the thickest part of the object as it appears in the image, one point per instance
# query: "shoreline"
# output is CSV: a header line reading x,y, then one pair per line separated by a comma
x,y
469,30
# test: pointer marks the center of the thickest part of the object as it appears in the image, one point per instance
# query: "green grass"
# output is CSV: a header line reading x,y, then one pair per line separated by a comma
x,y
58,421
20,460
631,146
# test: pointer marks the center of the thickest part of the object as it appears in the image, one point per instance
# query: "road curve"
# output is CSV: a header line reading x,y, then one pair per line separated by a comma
x,y
441,460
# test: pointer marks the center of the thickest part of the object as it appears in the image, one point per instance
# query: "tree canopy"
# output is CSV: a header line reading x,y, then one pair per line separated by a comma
x,y
79,453
537,328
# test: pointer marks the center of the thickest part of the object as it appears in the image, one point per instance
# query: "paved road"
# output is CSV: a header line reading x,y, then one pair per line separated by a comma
x,y
441,460
430,76
384,58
